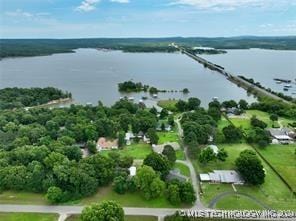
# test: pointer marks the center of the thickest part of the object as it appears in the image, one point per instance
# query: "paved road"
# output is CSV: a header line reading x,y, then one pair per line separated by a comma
x,y
217,198
195,182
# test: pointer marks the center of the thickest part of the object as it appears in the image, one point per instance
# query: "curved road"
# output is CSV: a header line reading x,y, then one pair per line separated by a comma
x,y
225,194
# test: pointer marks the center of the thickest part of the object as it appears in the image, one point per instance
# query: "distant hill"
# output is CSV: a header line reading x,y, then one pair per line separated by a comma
x,y
37,47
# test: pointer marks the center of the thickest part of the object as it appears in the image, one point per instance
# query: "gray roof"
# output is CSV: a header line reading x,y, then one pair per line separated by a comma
x,y
223,176
276,132
176,175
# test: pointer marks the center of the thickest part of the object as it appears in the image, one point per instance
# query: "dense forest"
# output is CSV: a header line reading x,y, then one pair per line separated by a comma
x,y
36,47
40,151
27,97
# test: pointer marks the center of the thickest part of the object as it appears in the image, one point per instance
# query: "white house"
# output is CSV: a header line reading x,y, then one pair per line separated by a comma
x,y
133,171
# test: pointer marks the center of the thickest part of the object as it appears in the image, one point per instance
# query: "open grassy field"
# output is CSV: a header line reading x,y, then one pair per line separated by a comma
x,y
14,197
126,218
283,159
222,123
273,192
128,199
238,202
165,137
104,193
168,104
135,150
183,169
265,117
28,217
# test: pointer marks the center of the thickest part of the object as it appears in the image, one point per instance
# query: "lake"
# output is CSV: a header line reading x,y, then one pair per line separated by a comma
x,y
261,65
92,75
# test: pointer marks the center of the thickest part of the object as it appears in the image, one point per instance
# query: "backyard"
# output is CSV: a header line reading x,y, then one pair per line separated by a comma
x,y
273,192
135,150
283,159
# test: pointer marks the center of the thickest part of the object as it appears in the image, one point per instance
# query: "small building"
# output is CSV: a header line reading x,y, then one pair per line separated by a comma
x,y
222,176
133,171
105,144
146,139
283,135
85,152
214,148
175,174
159,148
128,138
232,111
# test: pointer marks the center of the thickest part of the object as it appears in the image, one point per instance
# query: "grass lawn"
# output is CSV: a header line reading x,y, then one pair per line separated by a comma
x,y
233,151
183,169
126,218
14,197
128,199
135,150
265,117
168,104
28,217
283,159
180,155
222,123
165,137
238,202
273,192
104,193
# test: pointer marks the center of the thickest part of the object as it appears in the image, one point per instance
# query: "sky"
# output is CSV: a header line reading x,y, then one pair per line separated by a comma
x,y
146,18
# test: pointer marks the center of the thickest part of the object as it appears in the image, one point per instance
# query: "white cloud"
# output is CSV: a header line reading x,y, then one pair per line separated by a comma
x,y
120,1
87,5
90,5
225,4
19,13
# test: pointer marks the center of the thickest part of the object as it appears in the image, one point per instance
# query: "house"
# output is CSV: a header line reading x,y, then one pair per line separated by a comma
x,y
85,152
128,138
282,135
159,148
105,144
214,148
140,135
146,139
167,127
133,171
175,174
232,111
222,176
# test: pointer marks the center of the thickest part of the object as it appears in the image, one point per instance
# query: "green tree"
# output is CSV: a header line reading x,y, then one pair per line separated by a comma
x,y
232,134
120,184
215,113
173,194
91,146
206,155
193,103
243,104
158,162
145,177
250,167
106,211
121,139
222,154
187,193
54,194
151,133
170,153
